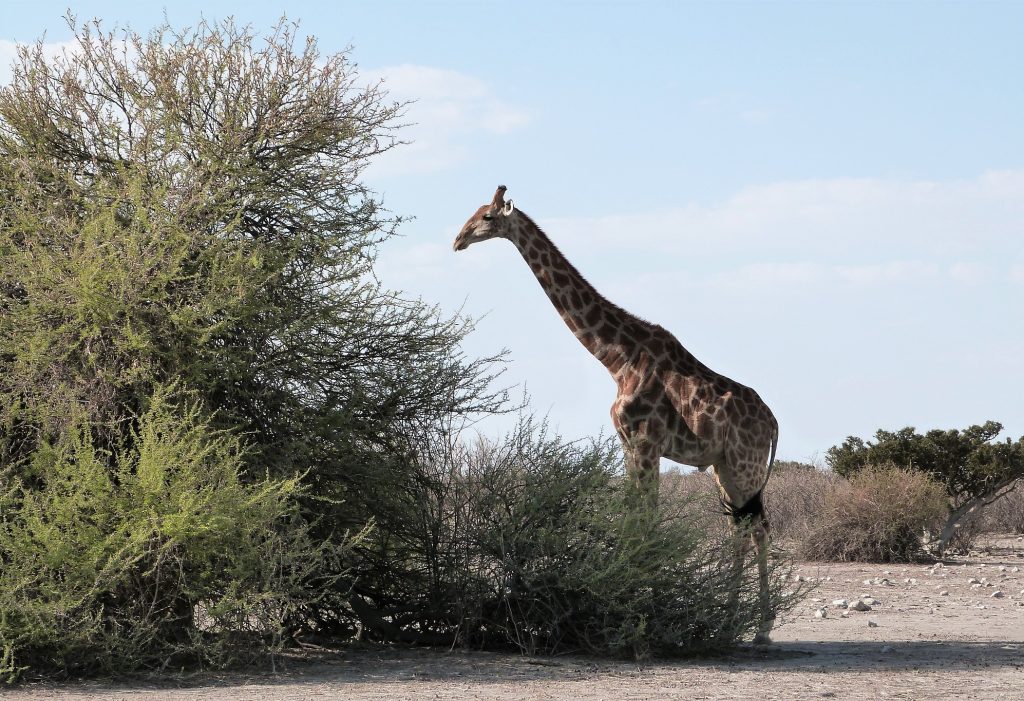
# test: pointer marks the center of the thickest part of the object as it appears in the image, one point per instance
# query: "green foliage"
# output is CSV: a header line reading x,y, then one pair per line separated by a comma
x,y
967,462
524,544
153,554
186,207
878,514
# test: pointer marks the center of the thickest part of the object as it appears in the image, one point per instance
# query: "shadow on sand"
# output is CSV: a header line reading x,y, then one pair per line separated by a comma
x,y
392,666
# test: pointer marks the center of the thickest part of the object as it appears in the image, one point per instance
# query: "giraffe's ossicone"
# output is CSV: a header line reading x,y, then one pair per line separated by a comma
x,y
668,403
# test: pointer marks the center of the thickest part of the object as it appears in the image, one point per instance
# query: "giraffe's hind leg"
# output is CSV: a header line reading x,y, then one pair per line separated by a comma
x,y
737,481
760,537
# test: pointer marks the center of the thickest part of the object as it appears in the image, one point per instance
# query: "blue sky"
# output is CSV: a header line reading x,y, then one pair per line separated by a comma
x,y
822,200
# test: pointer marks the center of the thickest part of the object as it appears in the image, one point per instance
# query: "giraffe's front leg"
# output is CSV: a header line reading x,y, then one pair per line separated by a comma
x,y
642,468
643,445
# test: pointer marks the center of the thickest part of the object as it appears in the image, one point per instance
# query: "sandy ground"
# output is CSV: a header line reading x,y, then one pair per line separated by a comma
x,y
924,644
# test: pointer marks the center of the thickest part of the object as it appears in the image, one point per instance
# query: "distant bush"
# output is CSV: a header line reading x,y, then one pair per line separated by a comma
x,y
152,555
975,470
527,543
878,515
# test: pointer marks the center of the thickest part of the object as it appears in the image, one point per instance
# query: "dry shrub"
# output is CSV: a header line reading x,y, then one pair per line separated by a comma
x,y
795,498
1007,514
878,515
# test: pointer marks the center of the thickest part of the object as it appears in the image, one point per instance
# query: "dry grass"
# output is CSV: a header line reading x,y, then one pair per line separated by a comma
x,y
880,514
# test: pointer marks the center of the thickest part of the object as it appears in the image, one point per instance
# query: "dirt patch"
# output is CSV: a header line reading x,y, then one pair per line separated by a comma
x,y
936,635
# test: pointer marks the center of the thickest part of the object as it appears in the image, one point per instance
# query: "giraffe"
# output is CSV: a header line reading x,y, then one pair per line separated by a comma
x,y
668,403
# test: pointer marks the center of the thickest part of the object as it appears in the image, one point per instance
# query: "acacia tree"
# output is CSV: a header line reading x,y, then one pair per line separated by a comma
x,y
975,470
187,206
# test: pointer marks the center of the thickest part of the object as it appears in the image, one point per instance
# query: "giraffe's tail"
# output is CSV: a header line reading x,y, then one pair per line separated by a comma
x,y
771,460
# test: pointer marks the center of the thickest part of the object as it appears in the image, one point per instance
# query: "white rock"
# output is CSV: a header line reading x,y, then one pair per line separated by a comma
x,y
943,593
840,603
846,614
1015,569
821,613
872,624
859,606
972,580
996,594
867,582
870,601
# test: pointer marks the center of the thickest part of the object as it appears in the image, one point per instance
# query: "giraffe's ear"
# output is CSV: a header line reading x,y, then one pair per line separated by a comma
x,y
507,209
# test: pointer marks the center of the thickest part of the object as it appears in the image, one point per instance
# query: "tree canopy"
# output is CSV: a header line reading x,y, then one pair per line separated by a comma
x,y
975,468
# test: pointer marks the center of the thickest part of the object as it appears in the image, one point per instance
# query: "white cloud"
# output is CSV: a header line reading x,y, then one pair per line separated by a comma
x,y
1017,273
843,222
445,108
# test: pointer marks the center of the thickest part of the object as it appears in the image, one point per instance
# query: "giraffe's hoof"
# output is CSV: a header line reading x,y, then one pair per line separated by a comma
x,y
762,639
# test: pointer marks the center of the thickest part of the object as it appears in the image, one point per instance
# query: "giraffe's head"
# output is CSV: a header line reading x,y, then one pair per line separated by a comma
x,y
488,222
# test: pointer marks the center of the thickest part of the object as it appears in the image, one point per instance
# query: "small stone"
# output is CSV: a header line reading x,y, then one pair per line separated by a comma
x,y
870,601
1015,569
943,593
867,582
859,606
821,613
872,623
840,603
996,594
846,614
972,580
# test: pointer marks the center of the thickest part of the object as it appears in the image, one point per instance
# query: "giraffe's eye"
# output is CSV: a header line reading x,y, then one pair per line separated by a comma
x,y
487,217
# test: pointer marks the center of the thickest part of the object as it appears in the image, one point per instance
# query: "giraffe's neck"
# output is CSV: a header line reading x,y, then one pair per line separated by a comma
x,y
598,324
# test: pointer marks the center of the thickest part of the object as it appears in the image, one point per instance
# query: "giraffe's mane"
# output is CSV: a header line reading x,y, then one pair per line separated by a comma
x,y
593,290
